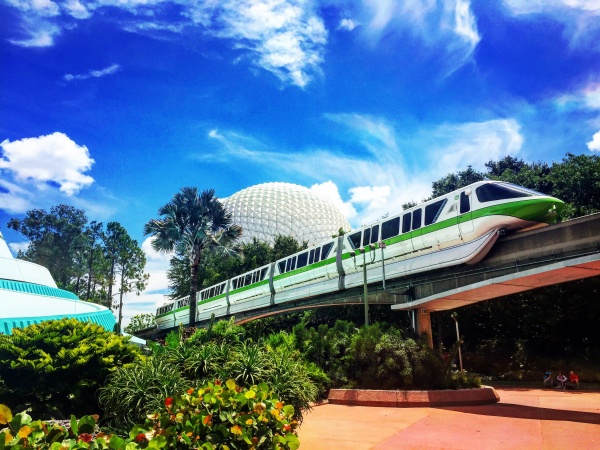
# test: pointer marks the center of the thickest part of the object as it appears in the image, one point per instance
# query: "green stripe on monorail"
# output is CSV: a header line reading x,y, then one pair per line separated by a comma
x,y
524,209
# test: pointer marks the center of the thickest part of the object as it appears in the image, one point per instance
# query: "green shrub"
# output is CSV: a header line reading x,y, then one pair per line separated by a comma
x,y
215,416
222,416
131,391
463,380
57,366
383,359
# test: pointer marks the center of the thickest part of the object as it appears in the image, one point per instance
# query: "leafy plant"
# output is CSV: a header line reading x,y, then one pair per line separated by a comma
x,y
57,366
131,391
221,416
21,432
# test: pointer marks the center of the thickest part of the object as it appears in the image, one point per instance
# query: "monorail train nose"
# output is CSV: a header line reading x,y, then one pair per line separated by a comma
x,y
550,209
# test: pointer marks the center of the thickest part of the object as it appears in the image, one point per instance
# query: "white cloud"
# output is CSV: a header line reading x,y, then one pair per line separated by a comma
x,y
284,37
19,246
40,34
14,198
594,144
54,158
347,24
448,25
374,196
474,144
551,6
387,175
77,10
94,73
330,191
581,17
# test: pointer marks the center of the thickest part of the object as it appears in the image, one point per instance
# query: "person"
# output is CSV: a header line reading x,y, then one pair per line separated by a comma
x,y
560,380
573,380
548,382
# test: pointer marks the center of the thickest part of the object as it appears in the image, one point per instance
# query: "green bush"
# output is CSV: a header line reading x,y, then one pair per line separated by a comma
x,y
383,359
215,416
190,362
57,366
222,416
131,391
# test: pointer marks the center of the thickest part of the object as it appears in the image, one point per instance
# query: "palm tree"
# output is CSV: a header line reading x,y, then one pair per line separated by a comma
x,y
191,223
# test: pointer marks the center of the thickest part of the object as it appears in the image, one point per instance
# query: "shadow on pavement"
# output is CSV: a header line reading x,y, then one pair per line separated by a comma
x,y
528,412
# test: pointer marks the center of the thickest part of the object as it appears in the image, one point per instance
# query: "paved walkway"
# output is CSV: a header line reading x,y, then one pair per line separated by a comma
x,y
524,419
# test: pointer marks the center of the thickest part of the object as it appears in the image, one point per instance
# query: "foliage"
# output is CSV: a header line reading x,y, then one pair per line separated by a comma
x,y
65,360
190,223
201,359
55,237
141,322
223,415
22,432
81,256
131,391
130,264
455,181
381,358
214,416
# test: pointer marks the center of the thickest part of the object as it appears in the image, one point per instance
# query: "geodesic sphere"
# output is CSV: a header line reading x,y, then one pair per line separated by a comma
x,y
266,210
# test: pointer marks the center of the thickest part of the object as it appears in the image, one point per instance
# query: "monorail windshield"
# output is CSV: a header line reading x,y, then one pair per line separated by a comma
x,y
496,191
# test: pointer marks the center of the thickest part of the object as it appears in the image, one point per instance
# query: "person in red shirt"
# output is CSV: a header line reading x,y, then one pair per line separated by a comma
x,y
573,379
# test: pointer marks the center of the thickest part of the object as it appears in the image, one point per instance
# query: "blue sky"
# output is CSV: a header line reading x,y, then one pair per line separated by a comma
x,y
113,105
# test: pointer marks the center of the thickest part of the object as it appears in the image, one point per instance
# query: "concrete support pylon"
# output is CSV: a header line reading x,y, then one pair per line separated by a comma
x,y
424,325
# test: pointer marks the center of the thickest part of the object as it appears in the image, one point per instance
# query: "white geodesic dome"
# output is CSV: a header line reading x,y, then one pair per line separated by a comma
x,y
266,210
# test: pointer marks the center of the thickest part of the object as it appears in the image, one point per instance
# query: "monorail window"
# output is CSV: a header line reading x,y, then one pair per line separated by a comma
x,y
290,264
254,275
417,215
432,212
355,240
374,234
390,228
366,237
465,204
302,260
406,222
311,256
263,273
493,192
248,280
281,265
326,250
317,254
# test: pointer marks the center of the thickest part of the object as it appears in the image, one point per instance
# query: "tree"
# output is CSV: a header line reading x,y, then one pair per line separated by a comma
x,y
92,235
286,246
141,322
452,181
115,239
129,266
56,237
576,181
190,223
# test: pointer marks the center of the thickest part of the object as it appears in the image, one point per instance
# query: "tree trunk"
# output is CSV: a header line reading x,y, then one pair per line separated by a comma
x,y
120,307
111,280
89,284
193,290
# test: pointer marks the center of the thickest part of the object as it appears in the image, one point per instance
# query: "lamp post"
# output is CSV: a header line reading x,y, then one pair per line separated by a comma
x,y
453,315
366,293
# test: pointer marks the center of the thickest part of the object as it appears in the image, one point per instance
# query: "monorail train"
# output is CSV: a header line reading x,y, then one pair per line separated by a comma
x,y
456,228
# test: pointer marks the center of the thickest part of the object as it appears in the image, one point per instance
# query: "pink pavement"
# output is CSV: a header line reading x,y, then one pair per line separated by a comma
x,y
523,419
